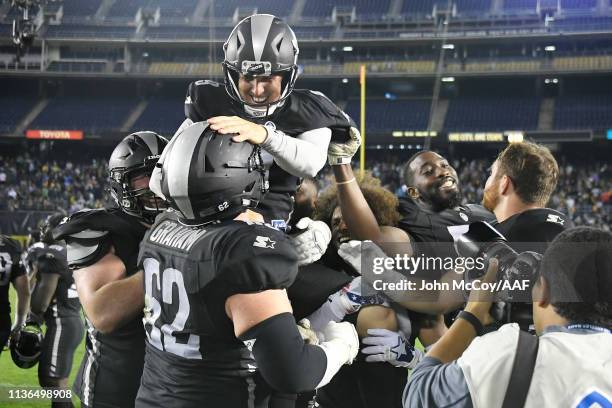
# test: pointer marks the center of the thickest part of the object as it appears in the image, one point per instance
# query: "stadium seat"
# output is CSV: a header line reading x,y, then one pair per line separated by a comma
x,y
385,116
492,114
583,112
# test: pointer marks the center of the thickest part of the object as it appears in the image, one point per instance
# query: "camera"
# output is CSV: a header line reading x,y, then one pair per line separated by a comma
x,y
483,240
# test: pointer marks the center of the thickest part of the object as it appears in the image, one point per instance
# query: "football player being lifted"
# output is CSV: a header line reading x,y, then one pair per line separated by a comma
x,y
55,302
102,248
259,104
220,328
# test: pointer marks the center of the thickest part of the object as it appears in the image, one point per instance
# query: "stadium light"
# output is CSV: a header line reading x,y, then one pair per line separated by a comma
x,y
550,48
448,46
448,79
345,80
347,48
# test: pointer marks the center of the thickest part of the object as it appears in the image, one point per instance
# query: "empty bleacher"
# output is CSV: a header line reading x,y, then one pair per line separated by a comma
x,y
492,114
12,110
89,31
226,8
96,115
363,8
520,5
385,116
80,8
163,116
583,112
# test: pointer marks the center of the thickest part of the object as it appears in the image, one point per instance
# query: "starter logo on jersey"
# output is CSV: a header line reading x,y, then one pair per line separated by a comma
x,y
555,218
264,242
463,216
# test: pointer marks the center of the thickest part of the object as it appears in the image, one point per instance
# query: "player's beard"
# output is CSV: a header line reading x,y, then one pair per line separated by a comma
x,y
490,197
440,201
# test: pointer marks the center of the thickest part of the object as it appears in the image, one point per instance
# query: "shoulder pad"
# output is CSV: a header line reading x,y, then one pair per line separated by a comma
x,y
255,258
480,213
207,98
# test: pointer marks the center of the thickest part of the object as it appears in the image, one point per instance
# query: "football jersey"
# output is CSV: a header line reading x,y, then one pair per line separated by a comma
x,y
112,365
10,268
52,259
533,230
430,230
302,111
189,274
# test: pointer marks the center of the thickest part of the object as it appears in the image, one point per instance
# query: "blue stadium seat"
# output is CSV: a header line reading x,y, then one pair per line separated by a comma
x,y
578,4
173,8
364,8
162,116
583,112
80,7
385,116
280,8
515,5
420,7
12,110
88,31
126,8
492,114
479,7
87,114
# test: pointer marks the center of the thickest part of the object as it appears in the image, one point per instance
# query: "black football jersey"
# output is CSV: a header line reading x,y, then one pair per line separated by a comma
x,y
302,111
189,274
52,259
112,365
533,230
430,230
10,268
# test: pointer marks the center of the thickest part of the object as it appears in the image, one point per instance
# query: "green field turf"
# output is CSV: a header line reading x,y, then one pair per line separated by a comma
x,y
13,376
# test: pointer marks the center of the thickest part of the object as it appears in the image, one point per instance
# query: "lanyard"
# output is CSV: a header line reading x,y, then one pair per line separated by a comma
x,y
588,327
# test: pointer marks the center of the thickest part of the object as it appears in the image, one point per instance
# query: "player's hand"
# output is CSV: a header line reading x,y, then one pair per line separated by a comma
x,y
243,130
480,301
16,333
350,299
342,153
388,346
344,334
354,251
312,243
308,335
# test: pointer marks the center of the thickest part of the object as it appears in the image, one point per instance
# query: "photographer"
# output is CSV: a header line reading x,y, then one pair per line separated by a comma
x,y
572,310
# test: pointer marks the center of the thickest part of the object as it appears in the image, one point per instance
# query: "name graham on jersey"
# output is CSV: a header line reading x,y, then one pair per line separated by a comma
x,y
174,235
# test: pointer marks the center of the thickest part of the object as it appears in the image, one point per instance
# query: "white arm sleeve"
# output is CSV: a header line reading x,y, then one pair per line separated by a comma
x,y
301,156
155,180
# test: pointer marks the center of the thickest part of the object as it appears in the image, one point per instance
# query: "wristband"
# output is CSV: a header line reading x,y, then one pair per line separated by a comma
x,y
473,320
345,182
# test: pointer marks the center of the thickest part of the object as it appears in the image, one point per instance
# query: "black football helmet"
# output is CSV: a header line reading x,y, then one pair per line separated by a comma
x,y
134,156
260,45
26,351
206,176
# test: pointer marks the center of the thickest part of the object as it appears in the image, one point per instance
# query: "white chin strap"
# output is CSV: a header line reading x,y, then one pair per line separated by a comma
x,y
260,111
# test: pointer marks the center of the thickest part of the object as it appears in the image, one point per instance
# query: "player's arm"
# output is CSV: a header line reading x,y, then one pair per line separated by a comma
x,y
107,296
301,156
43,292
265,321
22,288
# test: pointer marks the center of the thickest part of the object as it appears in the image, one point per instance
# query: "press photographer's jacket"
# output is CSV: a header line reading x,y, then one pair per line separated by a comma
x,y
572,368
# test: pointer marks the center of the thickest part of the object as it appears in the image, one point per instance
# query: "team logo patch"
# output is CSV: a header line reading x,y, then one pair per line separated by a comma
x,y
555,218
279,224
264,242
463,216
249,344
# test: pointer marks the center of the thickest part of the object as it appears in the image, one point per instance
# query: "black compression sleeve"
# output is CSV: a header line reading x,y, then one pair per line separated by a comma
x,y
284,360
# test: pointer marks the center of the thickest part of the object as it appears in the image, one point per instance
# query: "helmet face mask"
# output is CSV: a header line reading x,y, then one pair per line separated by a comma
x,y
26,351
260,45
133,158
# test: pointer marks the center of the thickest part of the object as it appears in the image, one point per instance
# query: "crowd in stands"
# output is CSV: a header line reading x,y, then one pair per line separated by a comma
x,y
28,182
